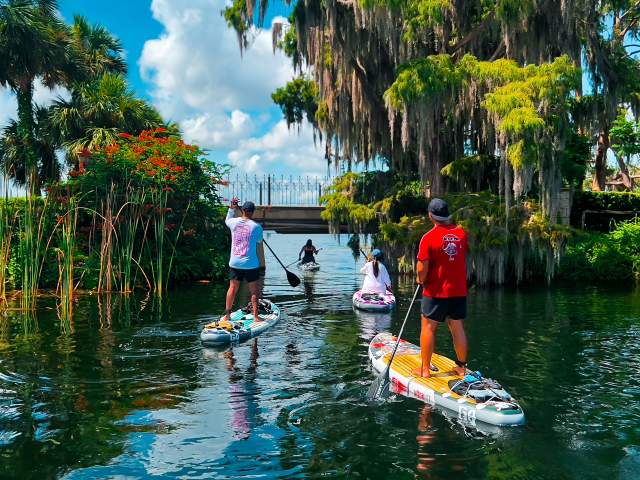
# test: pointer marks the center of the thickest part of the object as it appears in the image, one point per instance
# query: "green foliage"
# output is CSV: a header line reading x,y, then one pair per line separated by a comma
x,y
289,44
516,243
615,201
424,78
299,98
97,112
575,159
625,136
237,17
181,236
604,258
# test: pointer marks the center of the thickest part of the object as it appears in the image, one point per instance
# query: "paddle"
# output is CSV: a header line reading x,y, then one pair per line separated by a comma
x,y
294,281
292,263
381,384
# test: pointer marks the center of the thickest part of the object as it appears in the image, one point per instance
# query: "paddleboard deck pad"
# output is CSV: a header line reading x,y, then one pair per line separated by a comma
x,y
374,302
473,397
242,326
309,267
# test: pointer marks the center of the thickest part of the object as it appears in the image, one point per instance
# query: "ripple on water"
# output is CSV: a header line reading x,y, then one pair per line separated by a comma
x,y
141,397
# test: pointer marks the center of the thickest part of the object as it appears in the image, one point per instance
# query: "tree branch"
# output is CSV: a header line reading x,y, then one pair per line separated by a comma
x,y
473,34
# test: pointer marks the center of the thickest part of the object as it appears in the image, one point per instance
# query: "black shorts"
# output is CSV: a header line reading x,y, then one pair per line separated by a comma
x,y
262,272
242,275
440,309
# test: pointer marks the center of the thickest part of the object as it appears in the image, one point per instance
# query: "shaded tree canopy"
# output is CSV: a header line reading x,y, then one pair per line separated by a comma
x,y
426,83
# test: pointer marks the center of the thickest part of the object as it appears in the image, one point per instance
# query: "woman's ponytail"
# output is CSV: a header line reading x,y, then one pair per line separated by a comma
x,y
376,268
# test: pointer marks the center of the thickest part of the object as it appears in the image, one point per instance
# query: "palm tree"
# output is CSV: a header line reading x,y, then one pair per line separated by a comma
x,y
12,154
97,112
34,44
103,52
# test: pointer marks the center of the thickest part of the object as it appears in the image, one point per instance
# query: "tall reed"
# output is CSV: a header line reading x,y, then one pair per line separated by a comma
x,y
66,248
129,219
7,221
32,227
105,278
159,198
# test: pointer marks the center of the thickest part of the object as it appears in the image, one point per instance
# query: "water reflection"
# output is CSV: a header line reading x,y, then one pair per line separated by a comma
x,y
129,392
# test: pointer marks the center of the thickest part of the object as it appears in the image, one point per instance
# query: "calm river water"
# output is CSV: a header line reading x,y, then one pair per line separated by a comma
x,y
131,392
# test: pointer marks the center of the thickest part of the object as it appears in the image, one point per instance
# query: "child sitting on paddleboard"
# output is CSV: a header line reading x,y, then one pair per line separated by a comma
x,y
309,251
376,278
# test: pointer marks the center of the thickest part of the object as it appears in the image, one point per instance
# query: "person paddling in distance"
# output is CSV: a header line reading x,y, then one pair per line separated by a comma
x,y
442,271
376,278
244,263
309,251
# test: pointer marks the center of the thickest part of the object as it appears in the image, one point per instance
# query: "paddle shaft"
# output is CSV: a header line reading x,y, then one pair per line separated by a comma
x,y
274,254
294,281
395,349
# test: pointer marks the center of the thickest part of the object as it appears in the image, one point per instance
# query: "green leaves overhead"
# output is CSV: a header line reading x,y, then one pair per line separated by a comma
x,y
98,111
424,79
299,98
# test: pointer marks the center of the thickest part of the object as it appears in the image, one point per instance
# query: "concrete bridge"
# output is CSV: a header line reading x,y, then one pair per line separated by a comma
x,y
295,219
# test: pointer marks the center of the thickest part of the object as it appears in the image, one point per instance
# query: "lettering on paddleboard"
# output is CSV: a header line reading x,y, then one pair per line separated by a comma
x,y
425,394
467,415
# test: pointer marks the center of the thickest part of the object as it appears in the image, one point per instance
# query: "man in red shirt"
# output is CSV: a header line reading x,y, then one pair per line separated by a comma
x,y
442,271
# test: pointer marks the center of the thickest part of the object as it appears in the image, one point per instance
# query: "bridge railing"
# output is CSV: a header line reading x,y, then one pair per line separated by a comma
x,y
278,190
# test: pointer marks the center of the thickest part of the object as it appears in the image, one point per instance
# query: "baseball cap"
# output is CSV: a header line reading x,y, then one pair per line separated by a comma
x,y
439,210
248,207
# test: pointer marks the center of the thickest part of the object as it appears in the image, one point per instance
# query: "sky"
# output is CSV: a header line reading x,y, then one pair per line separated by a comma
x,y
185,60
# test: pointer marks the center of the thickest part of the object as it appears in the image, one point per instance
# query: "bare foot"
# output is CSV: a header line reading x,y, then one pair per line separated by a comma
x,y
421,372
460,371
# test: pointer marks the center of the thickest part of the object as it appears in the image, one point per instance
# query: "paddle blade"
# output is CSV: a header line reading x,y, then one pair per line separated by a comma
x,y
293,279
379,387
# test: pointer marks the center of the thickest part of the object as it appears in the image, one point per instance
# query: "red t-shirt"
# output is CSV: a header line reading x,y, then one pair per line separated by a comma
x,y
445,248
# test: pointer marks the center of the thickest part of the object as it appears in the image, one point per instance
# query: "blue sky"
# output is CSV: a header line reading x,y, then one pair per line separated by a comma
x,y
184,60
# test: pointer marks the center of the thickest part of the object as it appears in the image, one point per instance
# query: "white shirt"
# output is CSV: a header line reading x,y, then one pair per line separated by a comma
x,y
245,236
373,284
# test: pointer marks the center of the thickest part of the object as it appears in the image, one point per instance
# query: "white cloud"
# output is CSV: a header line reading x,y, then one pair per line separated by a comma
x,y
217,130
196,63
288,151
221,100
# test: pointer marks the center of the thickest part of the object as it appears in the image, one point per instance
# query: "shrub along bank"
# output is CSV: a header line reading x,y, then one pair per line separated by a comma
x,y
604,257
603,209
507,245
142,212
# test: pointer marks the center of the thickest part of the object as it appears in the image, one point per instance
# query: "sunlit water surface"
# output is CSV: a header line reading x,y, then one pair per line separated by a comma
x,y
132,393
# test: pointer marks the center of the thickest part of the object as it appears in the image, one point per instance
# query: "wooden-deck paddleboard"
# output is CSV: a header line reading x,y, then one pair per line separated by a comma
x,y
473,398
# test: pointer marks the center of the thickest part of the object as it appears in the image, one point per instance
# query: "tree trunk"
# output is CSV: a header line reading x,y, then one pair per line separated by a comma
x,y
26,132
601,162
624,173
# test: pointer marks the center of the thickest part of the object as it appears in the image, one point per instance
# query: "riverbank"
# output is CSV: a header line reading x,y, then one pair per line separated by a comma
x,y
509,244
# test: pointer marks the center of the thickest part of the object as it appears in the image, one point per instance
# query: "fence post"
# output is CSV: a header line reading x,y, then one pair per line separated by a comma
x,y
260,184
319,193
268,189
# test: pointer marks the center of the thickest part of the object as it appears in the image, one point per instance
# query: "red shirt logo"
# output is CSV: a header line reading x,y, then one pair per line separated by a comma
x,y
450,246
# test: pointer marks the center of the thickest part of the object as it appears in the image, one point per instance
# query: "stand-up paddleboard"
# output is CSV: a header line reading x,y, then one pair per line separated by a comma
x,y
374,302
309,267
473,398
242,325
